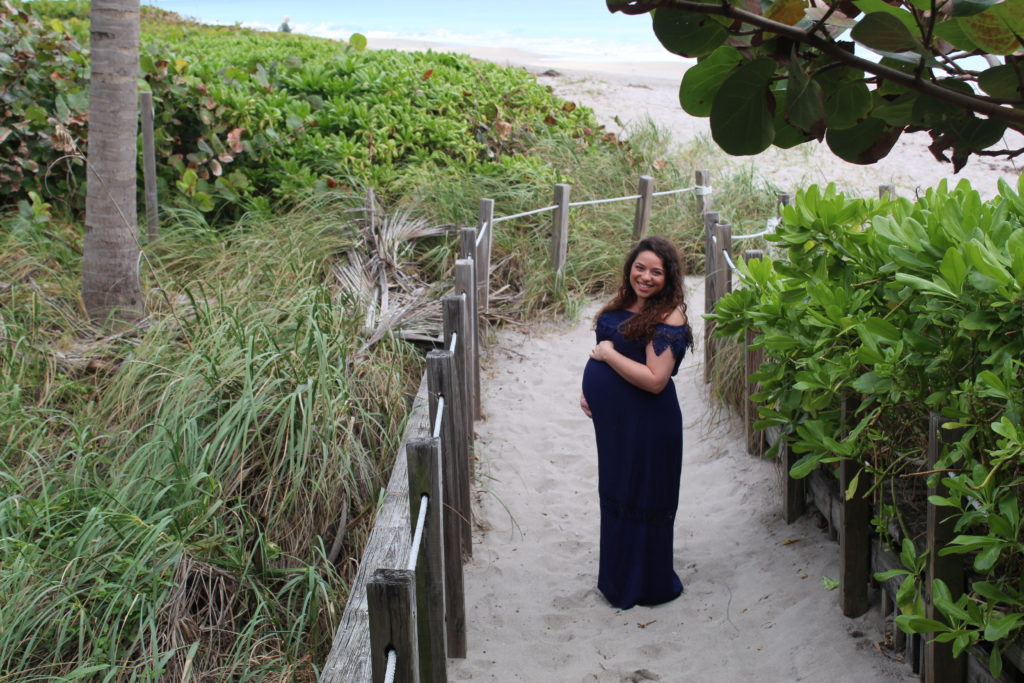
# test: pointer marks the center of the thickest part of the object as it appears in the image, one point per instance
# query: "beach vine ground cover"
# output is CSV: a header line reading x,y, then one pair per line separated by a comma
x,y
909,306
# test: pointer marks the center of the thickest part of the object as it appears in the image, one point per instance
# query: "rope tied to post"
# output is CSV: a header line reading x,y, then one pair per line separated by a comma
x,y
437,418
389,672
417,538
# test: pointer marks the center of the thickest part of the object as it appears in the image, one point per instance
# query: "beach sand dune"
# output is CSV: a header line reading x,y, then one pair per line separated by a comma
x,y
754,606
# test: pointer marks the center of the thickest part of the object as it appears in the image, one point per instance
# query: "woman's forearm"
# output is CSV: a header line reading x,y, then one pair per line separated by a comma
x,y
639,375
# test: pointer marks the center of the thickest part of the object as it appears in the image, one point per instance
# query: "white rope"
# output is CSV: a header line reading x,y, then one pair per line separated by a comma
x,y
665,192
389,672
732,266
417,538
770,226
525,213
437,418
482,232
701,190
454,342
590,202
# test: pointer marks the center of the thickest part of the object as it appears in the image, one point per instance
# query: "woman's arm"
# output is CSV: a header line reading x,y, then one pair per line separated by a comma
x,y
650,376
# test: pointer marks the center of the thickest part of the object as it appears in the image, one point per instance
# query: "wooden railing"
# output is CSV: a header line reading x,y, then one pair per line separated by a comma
x,y
849,517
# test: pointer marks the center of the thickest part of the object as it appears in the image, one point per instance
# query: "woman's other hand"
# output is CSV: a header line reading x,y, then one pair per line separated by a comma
x,y
585,406
602,350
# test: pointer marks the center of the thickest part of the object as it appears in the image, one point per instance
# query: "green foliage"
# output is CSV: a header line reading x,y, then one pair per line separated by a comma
x,y
246,119
909,307
785,72
168,500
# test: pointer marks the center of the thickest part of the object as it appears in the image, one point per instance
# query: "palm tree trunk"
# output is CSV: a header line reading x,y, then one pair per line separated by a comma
x,y
110,262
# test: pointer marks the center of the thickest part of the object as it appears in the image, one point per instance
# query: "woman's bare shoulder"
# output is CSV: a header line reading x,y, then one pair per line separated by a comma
x,y
675,317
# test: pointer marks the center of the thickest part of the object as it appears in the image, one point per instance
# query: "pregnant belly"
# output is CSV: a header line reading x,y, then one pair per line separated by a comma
x,y
601,384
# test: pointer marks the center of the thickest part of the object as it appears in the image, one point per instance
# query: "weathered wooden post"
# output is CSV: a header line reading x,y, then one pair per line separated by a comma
x,y
854,527
149,166
424,459
392,614
939,664
794,493
439,379
887,192
710,221
465,284
752,359
456,324
643,207
483,253
560,228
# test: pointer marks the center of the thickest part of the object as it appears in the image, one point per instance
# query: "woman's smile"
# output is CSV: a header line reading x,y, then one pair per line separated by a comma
x,y
647,276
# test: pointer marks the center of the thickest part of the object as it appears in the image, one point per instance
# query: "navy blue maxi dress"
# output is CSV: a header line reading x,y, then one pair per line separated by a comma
x,y
640,459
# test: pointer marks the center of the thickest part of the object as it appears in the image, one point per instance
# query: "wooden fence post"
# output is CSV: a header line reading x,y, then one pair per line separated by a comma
x,y
149,166
643,207
465,283
560,228
439,377
455,323
710,221
391,609
887,192
939,664
752,359
723,273
441,380
854,528
424,460
702,179
483,253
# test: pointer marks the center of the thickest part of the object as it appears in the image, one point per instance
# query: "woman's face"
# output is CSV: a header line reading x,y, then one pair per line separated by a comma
x,y
647,275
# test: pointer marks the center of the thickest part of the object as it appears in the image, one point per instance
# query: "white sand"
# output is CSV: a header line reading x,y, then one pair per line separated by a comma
x,y
754,607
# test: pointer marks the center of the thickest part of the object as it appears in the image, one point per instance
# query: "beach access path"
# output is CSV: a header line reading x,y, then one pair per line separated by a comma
x,y
754,606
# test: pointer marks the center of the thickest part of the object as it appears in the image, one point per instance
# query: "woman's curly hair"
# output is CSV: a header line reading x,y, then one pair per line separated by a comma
x,y
660,306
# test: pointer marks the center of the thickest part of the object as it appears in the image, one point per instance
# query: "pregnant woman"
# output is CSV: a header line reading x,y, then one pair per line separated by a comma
x,y
642,335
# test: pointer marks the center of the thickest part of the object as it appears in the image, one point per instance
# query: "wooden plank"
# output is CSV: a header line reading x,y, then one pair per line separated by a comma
x,y
560,228
388,546
424,456
825,496
392,610
642,219
438,378
939,664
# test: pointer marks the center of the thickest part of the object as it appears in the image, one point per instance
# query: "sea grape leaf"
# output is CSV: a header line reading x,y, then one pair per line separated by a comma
x,y
897,112
687,33
788,12
966,8
952,31
742,113
1001,81
905,17
805,100
883,31
864,143
992,30
848,105
701,81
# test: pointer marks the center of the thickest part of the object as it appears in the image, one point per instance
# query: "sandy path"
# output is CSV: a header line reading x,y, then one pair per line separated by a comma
x,y
754,607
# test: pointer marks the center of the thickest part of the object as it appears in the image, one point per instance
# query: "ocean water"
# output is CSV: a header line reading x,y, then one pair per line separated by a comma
x,y
559,29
